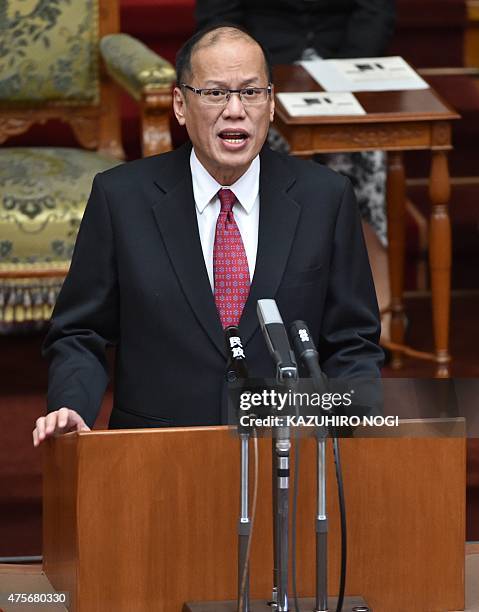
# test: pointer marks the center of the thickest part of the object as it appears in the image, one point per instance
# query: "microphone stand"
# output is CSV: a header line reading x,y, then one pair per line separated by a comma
x,y
321,526
321,604
237,370
286,375
244,526
307,351
281,473
274,598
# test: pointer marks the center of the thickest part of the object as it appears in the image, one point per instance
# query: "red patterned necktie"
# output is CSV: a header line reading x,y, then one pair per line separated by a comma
x,y
230,264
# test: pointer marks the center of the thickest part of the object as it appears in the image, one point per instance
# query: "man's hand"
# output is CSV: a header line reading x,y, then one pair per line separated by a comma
x,y
56,423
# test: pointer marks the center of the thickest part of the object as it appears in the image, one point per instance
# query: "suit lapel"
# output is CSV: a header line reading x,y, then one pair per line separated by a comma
x,y
278,218
176,218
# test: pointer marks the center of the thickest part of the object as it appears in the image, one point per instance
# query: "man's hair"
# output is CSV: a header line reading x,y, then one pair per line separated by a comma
x,y
183,57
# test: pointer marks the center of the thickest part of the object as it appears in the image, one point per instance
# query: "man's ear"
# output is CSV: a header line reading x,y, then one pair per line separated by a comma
x,y
179,105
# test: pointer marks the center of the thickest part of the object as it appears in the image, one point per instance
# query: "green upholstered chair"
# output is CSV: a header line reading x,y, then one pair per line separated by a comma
x,y
63,59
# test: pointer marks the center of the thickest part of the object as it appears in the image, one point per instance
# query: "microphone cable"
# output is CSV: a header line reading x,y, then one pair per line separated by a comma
x,y
342,514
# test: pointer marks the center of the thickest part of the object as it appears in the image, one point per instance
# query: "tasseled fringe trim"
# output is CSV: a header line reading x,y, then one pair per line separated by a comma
x,y
27,300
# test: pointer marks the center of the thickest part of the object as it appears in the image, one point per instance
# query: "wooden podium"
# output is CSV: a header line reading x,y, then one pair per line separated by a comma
x,y
145,520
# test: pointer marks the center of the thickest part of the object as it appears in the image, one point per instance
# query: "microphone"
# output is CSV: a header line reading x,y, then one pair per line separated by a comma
x,y
306,350
237,367
277,341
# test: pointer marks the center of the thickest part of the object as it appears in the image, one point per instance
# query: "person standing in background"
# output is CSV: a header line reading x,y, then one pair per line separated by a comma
x,y
293,30
289,28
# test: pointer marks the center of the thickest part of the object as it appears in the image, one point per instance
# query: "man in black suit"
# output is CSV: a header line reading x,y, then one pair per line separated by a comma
x,y
149,273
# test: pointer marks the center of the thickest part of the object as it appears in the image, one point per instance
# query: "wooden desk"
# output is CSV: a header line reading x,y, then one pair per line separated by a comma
x,y
145,520
396,121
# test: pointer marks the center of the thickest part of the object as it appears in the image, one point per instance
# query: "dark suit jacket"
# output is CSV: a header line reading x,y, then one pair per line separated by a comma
x,y
138,281
334,28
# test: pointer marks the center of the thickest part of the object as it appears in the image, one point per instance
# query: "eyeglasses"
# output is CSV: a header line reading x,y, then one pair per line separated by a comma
x,y
219,96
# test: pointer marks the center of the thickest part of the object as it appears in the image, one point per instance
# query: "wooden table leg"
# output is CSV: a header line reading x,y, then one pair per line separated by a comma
x,y
440,258
396,205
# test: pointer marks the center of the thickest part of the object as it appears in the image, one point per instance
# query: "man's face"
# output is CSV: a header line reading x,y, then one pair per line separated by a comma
x,y
226,138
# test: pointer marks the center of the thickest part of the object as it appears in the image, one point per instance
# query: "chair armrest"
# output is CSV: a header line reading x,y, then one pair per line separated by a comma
x,y
149,78
135,67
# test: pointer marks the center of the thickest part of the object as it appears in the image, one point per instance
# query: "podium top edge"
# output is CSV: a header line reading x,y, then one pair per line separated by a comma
x,y
418,427
149,430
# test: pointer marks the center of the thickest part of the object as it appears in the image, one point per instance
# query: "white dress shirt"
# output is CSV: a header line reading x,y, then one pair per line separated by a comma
x,y
246,210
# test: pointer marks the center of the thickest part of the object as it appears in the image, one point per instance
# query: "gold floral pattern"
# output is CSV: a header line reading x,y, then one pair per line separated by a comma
x,y
48,51
43,194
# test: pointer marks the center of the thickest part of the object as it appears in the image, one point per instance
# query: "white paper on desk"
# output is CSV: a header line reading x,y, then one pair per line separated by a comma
x,y
365,74
320,103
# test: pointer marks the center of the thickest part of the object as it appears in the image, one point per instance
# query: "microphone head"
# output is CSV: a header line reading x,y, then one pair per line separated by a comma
x,y
301,336
303,343
268,312
236,356
232,332
234,345
276,339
